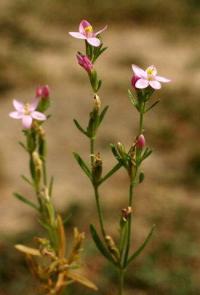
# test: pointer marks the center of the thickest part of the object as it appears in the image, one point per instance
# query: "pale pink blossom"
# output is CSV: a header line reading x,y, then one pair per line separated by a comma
x,y
42,91
84,62
27,112
140,141
147,78
86,32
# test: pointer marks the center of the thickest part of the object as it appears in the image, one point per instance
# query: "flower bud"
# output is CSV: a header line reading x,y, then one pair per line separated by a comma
x,y
121,149
126,212
112,247
42,91
134,79
97,103
140,141
84,62
97,167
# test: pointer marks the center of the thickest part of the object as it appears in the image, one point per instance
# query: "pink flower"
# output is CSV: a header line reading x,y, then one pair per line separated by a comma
x,y
86,32
84,62
27,112
42,91
140,141
148,77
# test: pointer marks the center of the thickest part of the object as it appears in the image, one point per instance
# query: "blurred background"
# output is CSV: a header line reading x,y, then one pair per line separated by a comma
x,y
35,49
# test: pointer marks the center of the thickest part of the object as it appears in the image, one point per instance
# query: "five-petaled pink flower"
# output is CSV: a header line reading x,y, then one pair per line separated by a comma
x,y
27,112
84,62
86,32
142,79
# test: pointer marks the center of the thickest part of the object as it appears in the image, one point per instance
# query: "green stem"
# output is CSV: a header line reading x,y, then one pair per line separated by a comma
x,y
100,214
141,118
92,150
131,188
121,281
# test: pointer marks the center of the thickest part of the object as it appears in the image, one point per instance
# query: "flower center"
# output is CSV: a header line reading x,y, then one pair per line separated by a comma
x,y
26,109
88,30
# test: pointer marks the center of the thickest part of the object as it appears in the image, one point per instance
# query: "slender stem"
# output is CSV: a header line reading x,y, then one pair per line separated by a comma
x,y
121,281
44,172
131,188
141,118
92,150
100,214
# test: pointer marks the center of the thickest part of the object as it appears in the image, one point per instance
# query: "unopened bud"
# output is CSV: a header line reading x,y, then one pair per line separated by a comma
x,y
140,141
126,212
97,167
134,79
42,91
97,103
112,247
84,62
121,149
37,161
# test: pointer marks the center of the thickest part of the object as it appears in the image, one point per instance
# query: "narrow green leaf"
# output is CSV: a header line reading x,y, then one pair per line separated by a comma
x,y
141,248
79,127
141,177
100,244
152,106
67,218
146,153
23,145
83,166
102,115
26,179
51,186
132,98
26,201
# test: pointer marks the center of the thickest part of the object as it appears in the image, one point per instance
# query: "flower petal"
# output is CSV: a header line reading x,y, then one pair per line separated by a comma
x,y
162,79
19,106
155,84
16,115
94,41
34,104
27,121
83,25
101,31
77,35
38,116
139,72
142,83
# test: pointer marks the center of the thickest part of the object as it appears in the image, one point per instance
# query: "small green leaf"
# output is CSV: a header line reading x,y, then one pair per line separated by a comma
x,y
23,145
100,244
51,186
83,166
141,248
67,218
79,127
141,177
26,179
132,98
26,201
152,106
146,153
102,115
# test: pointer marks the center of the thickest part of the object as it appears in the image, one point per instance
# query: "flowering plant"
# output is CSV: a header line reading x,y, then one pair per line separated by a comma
x,y
144,84
48,261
